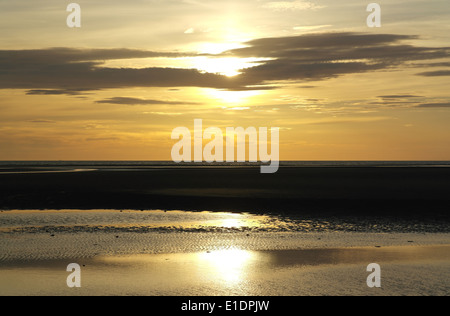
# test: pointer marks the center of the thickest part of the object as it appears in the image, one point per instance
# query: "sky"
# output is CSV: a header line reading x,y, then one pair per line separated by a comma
x,y
115,88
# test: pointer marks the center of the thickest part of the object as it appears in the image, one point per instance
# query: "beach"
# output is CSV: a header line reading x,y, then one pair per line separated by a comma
x,y
202,254
163,231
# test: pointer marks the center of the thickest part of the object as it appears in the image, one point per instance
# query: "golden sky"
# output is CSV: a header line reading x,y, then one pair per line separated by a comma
x,y
115,88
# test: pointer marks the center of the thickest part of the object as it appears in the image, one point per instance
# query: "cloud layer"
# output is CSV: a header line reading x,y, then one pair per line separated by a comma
x,y
302,58
323,56
138,101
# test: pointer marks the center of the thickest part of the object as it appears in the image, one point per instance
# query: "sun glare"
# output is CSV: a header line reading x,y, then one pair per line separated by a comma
x,y
229,265
232,98
218,48
227,66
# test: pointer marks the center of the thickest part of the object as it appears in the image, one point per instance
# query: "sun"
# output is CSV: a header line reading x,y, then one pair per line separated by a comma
x,y
218,48
226,66
229,67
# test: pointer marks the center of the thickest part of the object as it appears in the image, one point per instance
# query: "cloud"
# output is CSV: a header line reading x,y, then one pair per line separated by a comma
x,y
443,64
303,58
399,96
439,73
59,92
307,87
290,46
315,57
58,55
42,121
163,113
89,74
435,105
138,101
57,71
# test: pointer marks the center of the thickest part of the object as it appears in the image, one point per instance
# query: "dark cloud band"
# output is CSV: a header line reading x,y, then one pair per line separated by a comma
x,y
300,59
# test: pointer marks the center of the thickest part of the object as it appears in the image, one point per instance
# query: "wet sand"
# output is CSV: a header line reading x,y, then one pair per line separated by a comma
x,y
413,270
189,254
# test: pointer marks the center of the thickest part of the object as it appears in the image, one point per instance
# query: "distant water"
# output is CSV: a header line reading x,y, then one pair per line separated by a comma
x,y
166,164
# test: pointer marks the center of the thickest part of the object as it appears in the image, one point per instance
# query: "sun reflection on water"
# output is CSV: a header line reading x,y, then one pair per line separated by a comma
x,y
230,266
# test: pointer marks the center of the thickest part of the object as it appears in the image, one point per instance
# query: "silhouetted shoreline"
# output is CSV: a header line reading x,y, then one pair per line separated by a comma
x,y
404,192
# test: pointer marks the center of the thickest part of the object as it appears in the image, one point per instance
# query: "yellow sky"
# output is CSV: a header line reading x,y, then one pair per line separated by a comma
x,y
116,88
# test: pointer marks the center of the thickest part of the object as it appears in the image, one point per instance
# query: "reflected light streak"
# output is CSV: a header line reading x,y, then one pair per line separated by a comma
x,y
228,265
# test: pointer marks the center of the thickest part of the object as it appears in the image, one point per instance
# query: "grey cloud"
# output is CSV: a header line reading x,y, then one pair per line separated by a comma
x,y
58,55
289,46
307,87
290,69
322,56
435,105
59,92
444,64
68,71
42,121
303,58
399,96
137,101
88,75
409,101
439,73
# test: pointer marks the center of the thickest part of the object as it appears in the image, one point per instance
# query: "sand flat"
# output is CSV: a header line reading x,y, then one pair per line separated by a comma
x,y
417,270
128,252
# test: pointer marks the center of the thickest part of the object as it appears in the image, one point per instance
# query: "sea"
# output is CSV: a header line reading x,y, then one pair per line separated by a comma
x,y
166,164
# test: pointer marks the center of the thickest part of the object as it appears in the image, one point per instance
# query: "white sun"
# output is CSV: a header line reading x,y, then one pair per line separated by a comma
x,y
226,66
